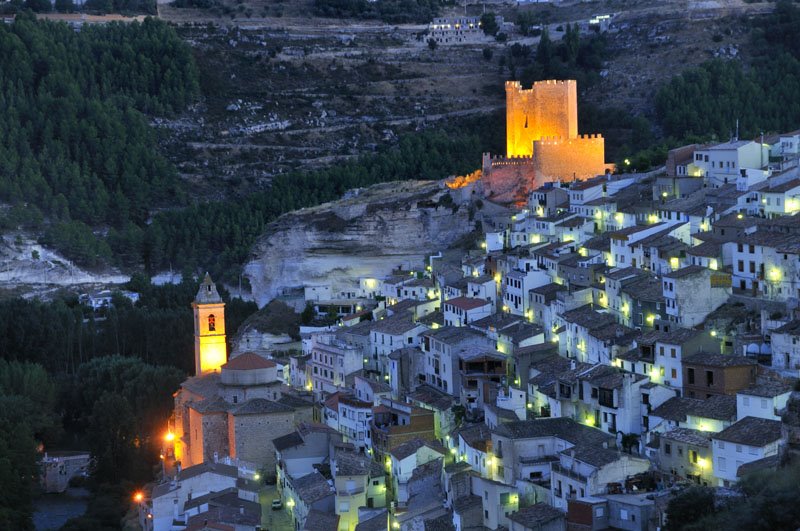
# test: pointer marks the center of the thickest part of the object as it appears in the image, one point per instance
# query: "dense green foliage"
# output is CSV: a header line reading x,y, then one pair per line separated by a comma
x,y
74,143
766,97
391,11
573,57
27,404
158,329
766,502
116,371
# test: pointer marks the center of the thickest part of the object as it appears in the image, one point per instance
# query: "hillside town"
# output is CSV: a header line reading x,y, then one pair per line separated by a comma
x,y
604,345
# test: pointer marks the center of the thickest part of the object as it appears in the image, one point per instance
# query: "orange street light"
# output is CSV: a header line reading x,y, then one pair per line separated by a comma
x,y
169,437
138,497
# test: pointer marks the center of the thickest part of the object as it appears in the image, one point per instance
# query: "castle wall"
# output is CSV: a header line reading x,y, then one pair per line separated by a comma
x,y
548,109
580,158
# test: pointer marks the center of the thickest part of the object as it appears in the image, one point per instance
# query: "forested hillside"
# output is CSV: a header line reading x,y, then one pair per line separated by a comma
x,y
75,146
764,97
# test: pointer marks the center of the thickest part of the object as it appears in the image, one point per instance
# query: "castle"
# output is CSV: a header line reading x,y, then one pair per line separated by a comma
x,y
542,142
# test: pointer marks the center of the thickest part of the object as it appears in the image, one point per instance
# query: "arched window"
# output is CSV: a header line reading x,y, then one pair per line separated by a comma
x,y
212,325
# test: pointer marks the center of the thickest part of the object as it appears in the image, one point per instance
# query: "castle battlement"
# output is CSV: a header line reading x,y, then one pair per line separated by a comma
x,y
542,140
588,138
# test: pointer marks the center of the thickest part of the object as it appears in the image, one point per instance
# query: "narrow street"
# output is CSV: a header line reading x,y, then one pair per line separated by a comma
x,y
273,520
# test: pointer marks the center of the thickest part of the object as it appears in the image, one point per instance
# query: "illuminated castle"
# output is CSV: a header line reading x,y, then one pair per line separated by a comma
x,y
542,141
210,351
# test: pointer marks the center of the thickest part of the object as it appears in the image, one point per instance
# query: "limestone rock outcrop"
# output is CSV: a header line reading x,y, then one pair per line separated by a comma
x,y
367,234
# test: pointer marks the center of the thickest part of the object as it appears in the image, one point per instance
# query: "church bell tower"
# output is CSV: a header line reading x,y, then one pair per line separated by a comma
x,y
210,351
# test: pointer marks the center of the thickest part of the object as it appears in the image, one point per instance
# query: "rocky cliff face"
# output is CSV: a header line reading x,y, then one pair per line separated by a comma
x,y
367,234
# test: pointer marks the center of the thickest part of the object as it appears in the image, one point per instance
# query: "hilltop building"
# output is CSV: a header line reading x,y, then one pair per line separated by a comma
x,y
542,142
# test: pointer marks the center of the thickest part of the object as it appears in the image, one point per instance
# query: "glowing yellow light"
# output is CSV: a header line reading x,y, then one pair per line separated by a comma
x,y
161,456
674,262
138,497
713,333
712,264
664,194
624,308
529,315
619,217
497,277
627,162
739,216
583,252
702,463
651,318
530,406
169,437
764,201
652,218
555,339
453,451
474,272
589,421
386,377
598,214
702,427
290,503
257,477
396,525
483,245
505,308
775,274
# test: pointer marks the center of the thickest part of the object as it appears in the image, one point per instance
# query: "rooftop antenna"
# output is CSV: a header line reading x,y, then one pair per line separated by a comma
x,y
737,130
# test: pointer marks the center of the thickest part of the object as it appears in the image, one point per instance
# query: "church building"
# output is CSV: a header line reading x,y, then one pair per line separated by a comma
x,y
231,409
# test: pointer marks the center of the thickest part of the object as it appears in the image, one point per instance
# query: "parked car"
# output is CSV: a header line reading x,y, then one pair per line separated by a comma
x,y
277,504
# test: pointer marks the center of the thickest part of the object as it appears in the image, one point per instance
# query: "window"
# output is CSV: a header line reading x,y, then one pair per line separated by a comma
x,y
599,511
212,325
709,378
746,401
623,514
763,403
690,374
344,507
721,465
667,448
673,353
693,456
721,445
738,448
674,373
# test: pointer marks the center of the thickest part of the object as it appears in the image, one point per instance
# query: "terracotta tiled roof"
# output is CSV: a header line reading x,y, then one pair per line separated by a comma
x,y
247,362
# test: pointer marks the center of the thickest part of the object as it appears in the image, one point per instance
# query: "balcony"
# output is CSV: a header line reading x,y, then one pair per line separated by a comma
x,y
557,468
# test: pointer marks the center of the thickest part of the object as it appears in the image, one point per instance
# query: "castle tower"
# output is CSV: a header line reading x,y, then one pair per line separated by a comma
x,y
210,351
549,109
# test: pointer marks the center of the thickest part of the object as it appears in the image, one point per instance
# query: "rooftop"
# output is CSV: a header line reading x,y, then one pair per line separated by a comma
x,y
689,436
536,515
349,463
261,406
686,271
713,359
311,487
561,427
410,447
321,521
751,431
467,303
395,325
767,389
248,361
